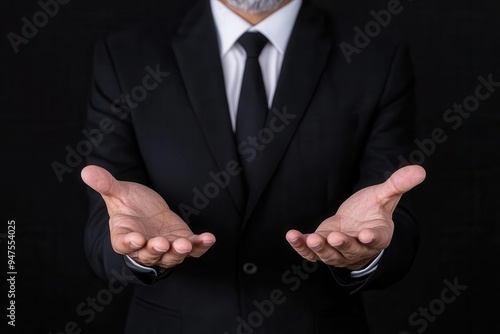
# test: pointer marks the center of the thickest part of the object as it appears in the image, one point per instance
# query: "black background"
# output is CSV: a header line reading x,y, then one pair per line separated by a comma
x,y
43,96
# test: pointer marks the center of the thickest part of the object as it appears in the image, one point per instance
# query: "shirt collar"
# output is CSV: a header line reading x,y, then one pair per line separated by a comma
x,y
277,27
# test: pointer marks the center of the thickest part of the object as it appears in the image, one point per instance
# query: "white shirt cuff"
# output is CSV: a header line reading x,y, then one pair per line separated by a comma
x,y
139,268
368,270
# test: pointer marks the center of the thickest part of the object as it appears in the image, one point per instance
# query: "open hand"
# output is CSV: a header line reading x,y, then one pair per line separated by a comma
x,y
362,227
142,225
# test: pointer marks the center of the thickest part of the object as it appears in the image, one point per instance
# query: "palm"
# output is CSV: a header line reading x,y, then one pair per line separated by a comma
x,y
365,211
142,210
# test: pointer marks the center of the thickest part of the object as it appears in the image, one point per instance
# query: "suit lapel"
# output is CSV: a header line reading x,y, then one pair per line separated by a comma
x,y
305,59
196,49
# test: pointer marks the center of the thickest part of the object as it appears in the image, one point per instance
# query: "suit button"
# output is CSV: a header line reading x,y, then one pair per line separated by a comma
x,y
250,268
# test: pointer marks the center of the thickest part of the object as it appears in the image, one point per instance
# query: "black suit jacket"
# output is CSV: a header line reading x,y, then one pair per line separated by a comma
x,y
346,126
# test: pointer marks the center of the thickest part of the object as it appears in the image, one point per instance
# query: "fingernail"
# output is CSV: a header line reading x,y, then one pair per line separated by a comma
x,y
207,243
134,245
294,242
159,250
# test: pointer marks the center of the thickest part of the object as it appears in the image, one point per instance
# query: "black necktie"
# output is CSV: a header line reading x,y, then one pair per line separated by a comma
x,y
253,106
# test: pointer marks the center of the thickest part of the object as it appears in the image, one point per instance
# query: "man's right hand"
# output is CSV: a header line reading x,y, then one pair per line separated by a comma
x,y
142,225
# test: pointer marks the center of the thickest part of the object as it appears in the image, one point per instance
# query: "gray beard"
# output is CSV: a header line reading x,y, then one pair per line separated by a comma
x,y
256,6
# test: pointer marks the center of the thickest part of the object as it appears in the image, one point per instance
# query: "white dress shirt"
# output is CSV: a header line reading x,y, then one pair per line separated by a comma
x,y
277,28
230,27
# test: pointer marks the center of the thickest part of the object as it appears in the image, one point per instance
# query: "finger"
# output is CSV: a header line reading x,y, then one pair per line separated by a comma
x,y
151,253
339,240
348,248
298,241
101,181
402,181
375,238
324,251
351,248
178,251
126,242
201,244
347,251
355,254
158,245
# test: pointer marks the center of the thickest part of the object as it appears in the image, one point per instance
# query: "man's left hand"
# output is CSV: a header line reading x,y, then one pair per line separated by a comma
x,y
362,226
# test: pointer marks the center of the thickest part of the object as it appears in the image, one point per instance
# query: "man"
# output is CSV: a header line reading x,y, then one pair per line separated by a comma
x,y
275,231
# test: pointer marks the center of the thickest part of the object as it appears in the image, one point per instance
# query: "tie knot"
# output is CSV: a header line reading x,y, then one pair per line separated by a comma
x,y
253,43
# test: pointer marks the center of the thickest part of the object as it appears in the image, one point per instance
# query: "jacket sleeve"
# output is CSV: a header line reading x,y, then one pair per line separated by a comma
x,y
113,148
388,144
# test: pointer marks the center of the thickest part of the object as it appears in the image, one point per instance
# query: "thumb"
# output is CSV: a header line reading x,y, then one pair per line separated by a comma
x,y
402,181
101,180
